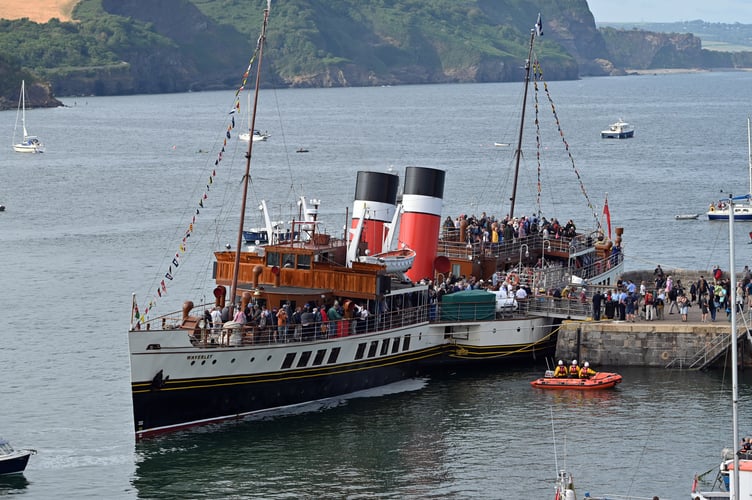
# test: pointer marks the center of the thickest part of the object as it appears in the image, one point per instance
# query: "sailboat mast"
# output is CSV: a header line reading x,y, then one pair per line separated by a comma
x,y
734,368
246,177
518,152
749,156
23,108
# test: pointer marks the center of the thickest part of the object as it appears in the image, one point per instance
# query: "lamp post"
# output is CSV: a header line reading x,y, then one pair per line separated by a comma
x,y
569,262
527,254
546,243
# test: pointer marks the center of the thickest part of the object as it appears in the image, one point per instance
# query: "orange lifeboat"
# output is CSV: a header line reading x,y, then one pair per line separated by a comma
x,y
601,380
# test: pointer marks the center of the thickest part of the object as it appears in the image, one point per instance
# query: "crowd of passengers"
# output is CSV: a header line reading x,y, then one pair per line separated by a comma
x,y
285,324
500,284
489,229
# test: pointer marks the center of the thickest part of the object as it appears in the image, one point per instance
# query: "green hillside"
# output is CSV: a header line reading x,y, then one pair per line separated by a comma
x,y
130,46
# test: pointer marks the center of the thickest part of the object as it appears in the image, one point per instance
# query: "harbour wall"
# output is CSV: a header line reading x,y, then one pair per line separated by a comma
x,y
658,343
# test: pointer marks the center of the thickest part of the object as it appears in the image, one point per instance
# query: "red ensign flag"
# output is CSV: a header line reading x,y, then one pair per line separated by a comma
x,y
607,214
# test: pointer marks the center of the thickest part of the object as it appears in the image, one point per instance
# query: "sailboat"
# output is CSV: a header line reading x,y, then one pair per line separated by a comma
x,y
735,471
30,143
742,204
253,132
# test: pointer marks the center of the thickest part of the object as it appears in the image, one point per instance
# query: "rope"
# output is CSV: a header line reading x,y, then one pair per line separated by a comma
x,y
538,75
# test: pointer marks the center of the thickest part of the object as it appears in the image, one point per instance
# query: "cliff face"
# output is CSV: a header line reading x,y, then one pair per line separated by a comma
x,y
38,95
636,49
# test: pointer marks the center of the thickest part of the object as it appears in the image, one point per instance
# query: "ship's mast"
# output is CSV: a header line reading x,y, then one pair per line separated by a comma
x,y
518,151
247,176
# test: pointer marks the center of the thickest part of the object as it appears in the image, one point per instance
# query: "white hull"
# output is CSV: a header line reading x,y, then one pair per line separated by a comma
x,y
28,148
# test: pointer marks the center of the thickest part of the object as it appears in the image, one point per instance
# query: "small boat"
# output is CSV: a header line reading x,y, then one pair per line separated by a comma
x,y
13,461
686,216
396,261
601,380
301,150
257,136
618,130
2,208
30,143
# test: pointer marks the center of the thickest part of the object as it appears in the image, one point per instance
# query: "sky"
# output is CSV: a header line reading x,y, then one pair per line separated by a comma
x,y
713,11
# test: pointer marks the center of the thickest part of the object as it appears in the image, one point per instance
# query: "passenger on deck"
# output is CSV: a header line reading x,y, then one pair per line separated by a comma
x,y
561,370
216,319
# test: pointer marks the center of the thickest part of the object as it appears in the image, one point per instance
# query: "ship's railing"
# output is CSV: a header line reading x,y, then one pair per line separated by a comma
x,y
452,247
538,305
205,334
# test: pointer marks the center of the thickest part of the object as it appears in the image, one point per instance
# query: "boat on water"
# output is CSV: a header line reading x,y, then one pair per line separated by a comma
x,y
618,130
686,216
601,380
257,136
364,309
29,143
734,474
719,210
13,461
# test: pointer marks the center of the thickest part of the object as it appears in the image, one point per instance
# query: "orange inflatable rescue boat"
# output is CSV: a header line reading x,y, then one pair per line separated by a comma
x,y
601,380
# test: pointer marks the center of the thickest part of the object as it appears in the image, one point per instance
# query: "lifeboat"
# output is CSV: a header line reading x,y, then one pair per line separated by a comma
x,y
601,380
396,261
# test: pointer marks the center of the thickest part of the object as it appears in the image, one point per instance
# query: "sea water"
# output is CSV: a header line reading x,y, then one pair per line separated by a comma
x,y
100,215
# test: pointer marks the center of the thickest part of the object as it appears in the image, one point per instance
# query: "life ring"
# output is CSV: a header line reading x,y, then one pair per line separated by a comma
x,y
513,279
664,355
712,208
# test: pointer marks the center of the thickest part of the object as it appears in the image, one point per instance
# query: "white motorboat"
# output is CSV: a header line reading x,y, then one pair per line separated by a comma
x,y
13,461
618,130
257,136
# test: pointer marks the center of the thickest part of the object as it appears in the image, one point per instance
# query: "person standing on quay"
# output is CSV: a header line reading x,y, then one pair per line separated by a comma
x,y
711,306
703,303
683,306
649,306
597,298
660,302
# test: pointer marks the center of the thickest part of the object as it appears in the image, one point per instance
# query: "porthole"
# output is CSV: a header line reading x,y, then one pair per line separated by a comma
x,y
193,362
252,360
203,362
214,361
232,360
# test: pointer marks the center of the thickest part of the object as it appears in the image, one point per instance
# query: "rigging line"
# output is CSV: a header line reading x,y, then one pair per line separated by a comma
x,y
539,73
284,145
537,142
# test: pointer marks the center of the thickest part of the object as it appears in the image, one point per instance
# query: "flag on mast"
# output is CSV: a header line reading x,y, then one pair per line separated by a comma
x,y
539,26
607,214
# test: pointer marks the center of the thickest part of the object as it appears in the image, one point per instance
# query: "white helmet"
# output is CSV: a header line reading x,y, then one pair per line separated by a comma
x,y
574,361
586,364
561,363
